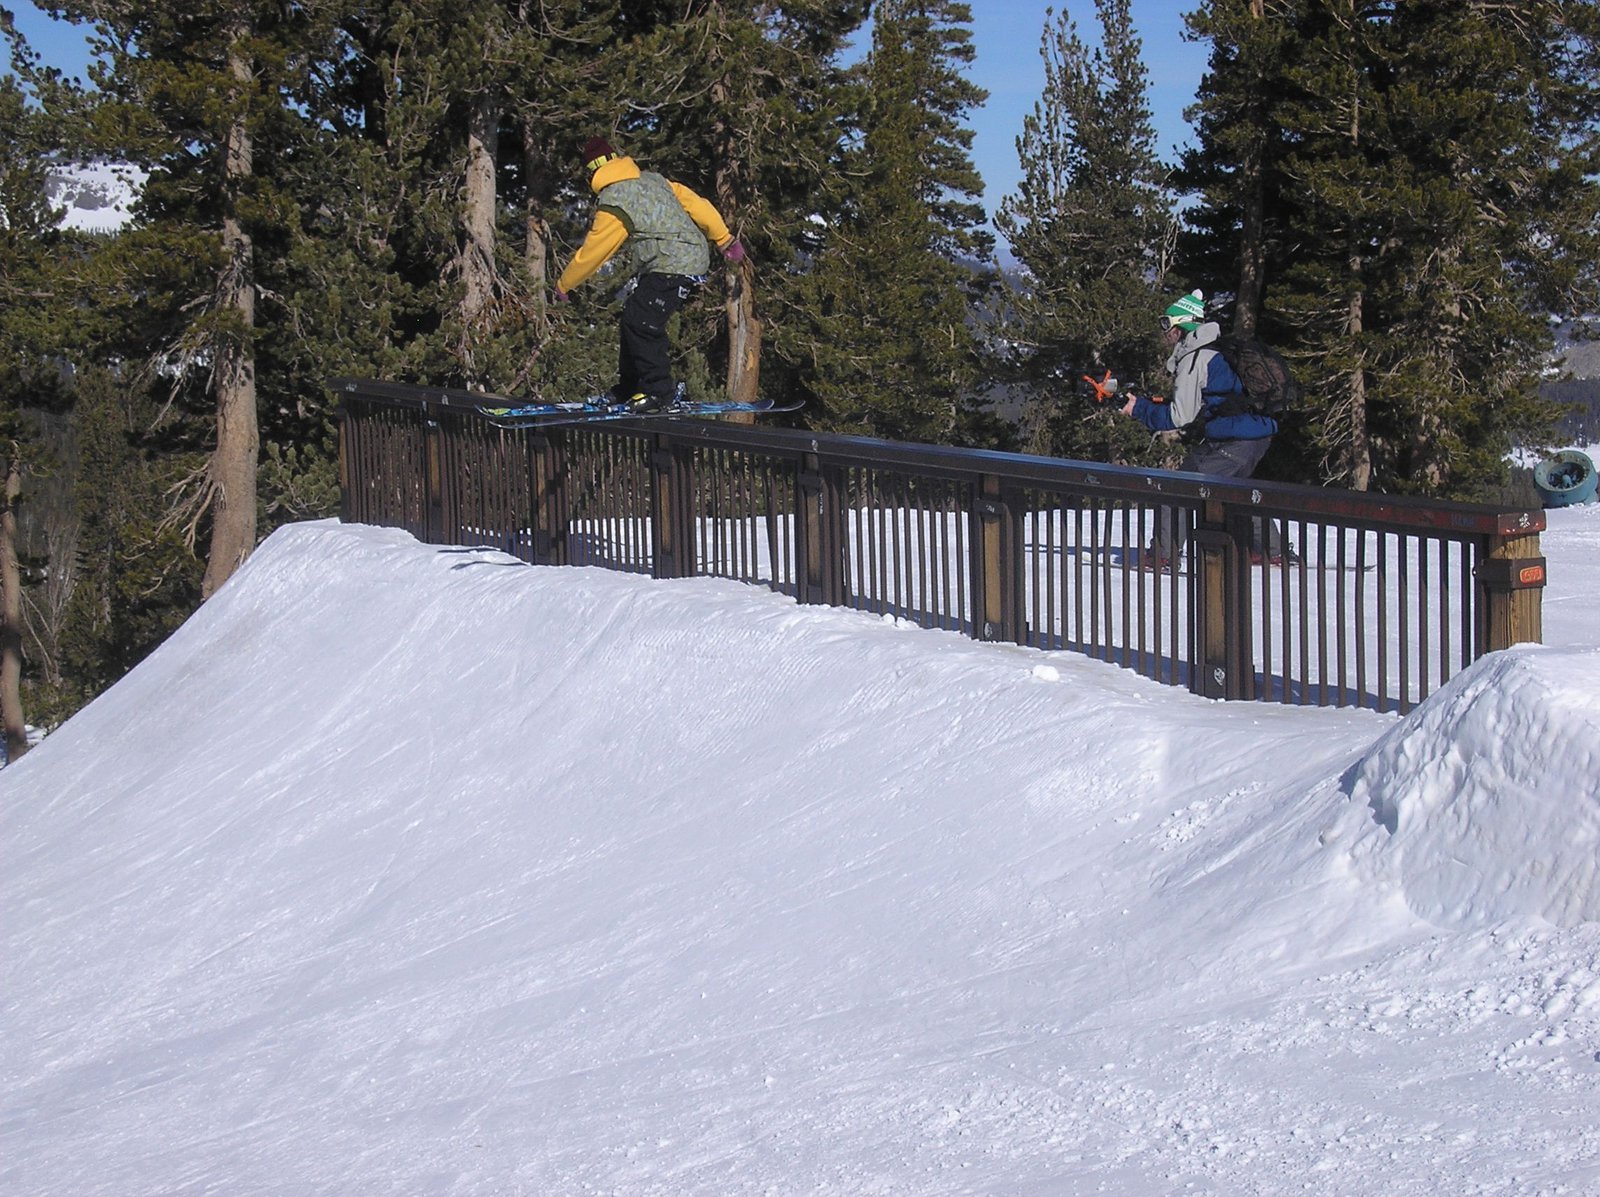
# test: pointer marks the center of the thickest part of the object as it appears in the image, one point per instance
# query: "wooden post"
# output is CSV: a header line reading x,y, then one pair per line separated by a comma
x,y
1013,568
432,530
834,542
1510,583
984,521
808,527
997,590
663,527
541,500
346,496
672,514
1222,662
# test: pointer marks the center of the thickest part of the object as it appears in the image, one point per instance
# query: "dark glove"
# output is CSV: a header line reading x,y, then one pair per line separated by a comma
x,y
734,250
561,296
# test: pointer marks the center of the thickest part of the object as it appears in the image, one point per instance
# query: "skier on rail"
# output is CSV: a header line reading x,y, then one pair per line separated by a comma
x,y
665,225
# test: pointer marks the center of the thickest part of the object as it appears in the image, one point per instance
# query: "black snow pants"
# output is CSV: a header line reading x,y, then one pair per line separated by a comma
x,y
644,366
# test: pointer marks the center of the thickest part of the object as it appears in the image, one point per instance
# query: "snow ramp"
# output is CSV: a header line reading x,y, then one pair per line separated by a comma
x,y
407,869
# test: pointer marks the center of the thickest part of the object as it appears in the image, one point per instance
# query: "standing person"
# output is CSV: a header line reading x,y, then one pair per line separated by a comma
x,y
1228,446
665,226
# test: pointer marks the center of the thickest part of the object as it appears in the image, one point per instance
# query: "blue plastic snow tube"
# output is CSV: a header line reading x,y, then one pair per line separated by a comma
x,y
1566,479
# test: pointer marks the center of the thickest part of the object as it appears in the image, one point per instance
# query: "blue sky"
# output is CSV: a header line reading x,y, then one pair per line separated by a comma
x,y
1006,34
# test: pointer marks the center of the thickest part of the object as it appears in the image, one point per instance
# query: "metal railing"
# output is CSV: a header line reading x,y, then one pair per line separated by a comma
x,y
1383,600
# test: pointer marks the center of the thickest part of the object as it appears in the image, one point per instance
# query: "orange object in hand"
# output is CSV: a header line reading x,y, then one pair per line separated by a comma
x,y
1103,389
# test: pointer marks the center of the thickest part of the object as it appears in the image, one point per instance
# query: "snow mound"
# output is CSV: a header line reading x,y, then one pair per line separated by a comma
x,y
417,869
1467,816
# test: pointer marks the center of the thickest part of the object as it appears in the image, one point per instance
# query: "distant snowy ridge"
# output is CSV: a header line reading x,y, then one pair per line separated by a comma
x,y
98,197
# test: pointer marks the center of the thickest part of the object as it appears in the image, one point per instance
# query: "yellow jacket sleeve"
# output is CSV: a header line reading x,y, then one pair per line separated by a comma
x,y
605,237
704,215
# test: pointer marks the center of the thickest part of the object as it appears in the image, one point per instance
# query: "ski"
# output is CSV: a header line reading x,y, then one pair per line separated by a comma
x,y
535,415
508,412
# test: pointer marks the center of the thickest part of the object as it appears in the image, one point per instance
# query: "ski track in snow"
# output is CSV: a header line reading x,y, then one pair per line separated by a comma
x,y
449,875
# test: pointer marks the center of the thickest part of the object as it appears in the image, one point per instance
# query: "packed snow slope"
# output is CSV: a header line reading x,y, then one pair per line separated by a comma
x,y
416,870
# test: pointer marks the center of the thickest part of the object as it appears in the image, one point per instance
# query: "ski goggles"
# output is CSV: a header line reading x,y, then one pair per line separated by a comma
x,y
1170,322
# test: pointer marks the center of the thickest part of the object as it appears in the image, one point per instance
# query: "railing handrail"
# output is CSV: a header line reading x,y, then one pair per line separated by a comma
x,y
1400,512
1126,482
1388,596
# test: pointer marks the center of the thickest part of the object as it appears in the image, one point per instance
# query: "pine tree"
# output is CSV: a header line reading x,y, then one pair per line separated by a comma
x,y
496,136
27,383
1239,145
1091,224
473,158
1428,202
567,85
750,114
418,190
137,578
891,299
201,95
413,107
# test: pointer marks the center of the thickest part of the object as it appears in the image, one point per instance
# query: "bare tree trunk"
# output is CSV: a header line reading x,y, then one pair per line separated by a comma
x,y
234,462
536,230
1252,252
1359,449
477,262
16,727
533,300
1252,232
744,327
744,335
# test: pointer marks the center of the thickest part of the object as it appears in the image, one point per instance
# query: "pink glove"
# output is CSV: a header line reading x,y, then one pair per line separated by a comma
x,y
561,296
734,250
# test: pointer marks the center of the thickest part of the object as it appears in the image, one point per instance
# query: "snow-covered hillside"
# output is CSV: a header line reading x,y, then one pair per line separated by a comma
x,y
95,197
417,870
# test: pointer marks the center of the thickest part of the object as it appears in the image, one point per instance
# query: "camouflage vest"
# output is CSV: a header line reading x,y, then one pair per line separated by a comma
x,y
662,237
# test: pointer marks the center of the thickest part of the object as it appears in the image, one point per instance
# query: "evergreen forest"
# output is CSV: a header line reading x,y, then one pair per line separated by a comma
x,y
1402,196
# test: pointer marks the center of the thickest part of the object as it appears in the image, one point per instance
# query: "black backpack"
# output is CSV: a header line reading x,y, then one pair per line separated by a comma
x,y
1269,387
